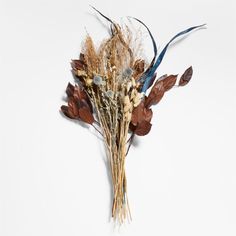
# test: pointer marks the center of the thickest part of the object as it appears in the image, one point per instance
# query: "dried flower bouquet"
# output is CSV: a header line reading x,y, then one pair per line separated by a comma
x,y
110,95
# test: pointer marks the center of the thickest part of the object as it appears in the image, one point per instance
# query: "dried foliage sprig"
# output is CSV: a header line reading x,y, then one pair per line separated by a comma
x,y
110,95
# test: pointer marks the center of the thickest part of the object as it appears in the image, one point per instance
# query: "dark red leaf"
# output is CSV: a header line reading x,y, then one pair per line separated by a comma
x,y
132,127
186,77
156,94
70,90
169,82
73,107
82,98
67,112
141,113
137,114
148,114
77,65
143,128
85,115
79,94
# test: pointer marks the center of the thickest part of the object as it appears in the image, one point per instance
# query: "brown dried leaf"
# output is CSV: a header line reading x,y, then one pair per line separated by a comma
x,y
79,94
148,114
143,128
156,94
169,82
85,115
132,127
137,114
70,90
141,113
77,65
67,112
82,98
186,77
73,107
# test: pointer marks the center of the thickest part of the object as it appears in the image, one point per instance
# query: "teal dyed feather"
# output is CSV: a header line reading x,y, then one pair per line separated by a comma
x,y
147,77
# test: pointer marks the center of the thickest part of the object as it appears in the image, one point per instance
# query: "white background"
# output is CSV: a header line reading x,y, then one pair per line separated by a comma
x,y
181,177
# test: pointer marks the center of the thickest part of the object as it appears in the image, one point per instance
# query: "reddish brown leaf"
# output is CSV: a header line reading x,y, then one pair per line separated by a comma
x,y
73,107
132,127
141,113
82,98
85,115
137,114
143,128
169,82
67,112
186,77
79,94
70,90
148,114
156,94
77,65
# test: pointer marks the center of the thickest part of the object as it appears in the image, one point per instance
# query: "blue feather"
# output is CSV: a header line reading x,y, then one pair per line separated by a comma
x,y
147,77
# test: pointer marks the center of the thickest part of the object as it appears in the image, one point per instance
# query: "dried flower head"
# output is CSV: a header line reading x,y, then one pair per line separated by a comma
x,y
98,80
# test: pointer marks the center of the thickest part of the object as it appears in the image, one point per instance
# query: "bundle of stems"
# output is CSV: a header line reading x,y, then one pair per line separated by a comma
x,y
113,93
110,95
